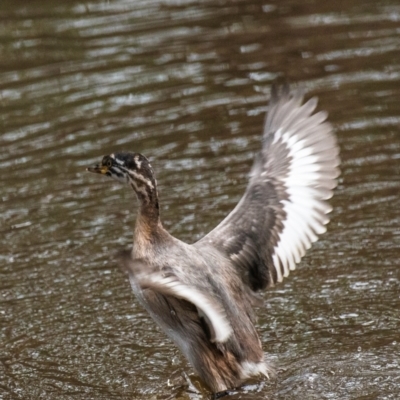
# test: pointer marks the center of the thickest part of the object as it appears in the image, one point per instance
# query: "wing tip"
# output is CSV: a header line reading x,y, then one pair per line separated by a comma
x,y
310,140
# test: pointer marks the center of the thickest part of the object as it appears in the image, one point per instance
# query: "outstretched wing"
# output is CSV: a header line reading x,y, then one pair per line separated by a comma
x,y
284,207
208,308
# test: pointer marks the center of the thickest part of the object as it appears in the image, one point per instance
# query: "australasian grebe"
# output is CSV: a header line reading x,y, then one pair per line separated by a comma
x,y
202,294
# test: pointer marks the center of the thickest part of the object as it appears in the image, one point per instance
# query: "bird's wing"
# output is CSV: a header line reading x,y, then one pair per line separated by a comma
x,y
284,207
207,306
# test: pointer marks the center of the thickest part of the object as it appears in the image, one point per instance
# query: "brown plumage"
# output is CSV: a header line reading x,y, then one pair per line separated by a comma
x,y
202,294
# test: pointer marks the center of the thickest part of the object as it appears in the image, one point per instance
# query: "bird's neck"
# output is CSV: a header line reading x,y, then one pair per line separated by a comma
x,y
149,215
148,223
149,210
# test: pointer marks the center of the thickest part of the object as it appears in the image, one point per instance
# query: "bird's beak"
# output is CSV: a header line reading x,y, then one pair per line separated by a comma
x,y
98,169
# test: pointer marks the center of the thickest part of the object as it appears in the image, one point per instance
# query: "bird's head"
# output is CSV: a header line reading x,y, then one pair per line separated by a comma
x,y
131,168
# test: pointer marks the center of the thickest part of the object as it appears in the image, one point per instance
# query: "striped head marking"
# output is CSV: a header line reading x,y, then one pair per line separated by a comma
x,y
131,168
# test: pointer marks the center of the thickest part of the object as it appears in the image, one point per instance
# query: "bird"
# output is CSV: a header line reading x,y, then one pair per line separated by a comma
x,y
203,294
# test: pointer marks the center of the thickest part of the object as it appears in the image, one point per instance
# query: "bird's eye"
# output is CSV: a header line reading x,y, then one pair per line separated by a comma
x,y
109,163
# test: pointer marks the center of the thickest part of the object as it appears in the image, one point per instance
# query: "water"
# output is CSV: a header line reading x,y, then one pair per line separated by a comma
x,y
187,84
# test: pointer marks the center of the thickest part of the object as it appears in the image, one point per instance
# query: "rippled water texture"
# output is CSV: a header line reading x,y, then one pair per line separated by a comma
x,y
187,83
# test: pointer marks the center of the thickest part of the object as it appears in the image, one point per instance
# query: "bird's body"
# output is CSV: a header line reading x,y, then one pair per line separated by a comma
x,y
202,271
202,294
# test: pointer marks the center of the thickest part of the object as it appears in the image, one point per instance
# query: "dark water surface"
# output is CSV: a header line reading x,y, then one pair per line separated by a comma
x,y
186,83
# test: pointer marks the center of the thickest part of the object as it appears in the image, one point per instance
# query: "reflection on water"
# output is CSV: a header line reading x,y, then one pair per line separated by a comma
x,y
187,83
